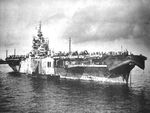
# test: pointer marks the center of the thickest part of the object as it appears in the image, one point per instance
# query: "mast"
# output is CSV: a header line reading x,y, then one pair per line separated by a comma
x,y
39,30
69,45
6,53
14,52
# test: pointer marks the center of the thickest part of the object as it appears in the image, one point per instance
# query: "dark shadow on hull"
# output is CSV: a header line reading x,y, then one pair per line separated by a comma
x,y
14,73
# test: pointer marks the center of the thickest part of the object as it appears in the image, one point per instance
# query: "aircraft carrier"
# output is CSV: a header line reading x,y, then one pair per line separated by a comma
x,y
42,61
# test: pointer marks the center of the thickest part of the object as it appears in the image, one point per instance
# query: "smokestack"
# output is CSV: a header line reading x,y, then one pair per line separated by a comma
x,y
69,45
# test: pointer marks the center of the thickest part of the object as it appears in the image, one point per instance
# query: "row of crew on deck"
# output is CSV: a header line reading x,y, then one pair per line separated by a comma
x,y
18,57
84,53
76,53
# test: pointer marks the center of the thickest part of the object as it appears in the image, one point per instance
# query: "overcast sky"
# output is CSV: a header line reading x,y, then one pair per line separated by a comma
x,y
95,25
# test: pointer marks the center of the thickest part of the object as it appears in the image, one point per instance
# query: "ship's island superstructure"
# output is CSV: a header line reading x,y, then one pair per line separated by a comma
x,y
41,61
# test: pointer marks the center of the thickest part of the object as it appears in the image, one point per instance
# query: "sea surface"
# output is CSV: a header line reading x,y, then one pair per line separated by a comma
x,y
20,93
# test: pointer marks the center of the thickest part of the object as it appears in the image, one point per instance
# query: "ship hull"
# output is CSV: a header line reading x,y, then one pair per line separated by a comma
x,y
88,73
114,67
102,73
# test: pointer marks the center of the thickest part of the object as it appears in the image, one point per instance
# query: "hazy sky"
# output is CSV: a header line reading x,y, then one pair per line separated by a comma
x,y
95,25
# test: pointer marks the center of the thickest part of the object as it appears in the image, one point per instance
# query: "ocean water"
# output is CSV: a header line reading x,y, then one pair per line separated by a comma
x,y
23,94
